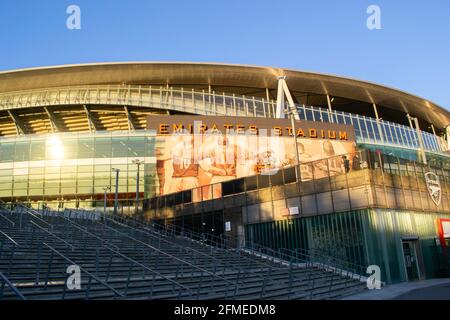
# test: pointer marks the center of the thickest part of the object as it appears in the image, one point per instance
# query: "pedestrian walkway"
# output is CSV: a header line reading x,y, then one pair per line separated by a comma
x,y
433,289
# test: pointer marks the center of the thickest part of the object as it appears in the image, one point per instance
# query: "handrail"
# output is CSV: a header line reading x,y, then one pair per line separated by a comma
x,y
88,232
329,261
290,257
28,210
333,258
135,88
145,227
7,219
52,234
81,228
323,262
9,238
212,257
169,255
82,269
117,251
149,269
286,259
191,249
12,287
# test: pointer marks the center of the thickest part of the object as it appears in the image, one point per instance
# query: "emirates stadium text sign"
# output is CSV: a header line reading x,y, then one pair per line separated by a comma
x,y
166,125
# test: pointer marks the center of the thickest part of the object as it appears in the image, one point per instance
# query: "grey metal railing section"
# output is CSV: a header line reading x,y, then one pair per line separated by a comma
x,y
5,282
283,255
294,259
91,276
105,243
368,130
142,96
258,269
96,239
153,248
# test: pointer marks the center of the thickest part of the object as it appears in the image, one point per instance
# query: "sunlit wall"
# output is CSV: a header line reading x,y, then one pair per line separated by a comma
x,y
72,170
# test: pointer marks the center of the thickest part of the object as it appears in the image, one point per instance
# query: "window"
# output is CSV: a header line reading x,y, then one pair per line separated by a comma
x,y
85,148
6,152
102,148
37,150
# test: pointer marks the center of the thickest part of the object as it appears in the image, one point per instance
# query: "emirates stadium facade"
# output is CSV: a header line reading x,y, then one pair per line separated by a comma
x,y
66,131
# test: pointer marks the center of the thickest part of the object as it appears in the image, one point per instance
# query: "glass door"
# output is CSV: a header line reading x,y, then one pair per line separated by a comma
x,y
410,257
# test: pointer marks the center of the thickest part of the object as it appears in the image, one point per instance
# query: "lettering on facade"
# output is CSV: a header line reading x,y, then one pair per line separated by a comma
x,y
249,126
434,187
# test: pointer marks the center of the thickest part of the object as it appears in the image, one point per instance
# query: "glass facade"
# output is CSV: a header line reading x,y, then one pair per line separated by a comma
x,y
363,237
72,170
370,131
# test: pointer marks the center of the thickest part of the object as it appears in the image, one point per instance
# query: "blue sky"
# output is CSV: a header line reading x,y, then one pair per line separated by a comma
x,y
411,52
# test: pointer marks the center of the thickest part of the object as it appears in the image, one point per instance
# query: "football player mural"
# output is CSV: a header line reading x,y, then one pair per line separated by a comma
x,y
188,160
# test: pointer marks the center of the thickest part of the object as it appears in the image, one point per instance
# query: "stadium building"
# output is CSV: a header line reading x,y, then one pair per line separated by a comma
x,y
215,148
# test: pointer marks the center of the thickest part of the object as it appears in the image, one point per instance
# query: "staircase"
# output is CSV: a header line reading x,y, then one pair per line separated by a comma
x,y
120,259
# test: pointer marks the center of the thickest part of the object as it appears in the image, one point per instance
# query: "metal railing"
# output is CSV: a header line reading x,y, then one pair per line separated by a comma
x,y
283,257
368,130
5,282
107,245
316,277
90,278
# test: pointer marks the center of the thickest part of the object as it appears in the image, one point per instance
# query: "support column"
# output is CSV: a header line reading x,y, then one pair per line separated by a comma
x,y
283,91
279,113
447,133
131,125
293,114
53,121
20,127
91,122
330,109
419,137
380,130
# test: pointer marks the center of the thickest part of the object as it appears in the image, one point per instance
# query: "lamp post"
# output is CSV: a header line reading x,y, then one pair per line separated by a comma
x,y
138,163
105,199
116,197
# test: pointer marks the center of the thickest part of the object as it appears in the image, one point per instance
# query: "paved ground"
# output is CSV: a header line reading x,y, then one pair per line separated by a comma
x,y
433,289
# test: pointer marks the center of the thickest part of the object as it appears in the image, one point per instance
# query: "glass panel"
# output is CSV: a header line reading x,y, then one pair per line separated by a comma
x,y
309,115
7,152
85,148
325,117
102,148
37,150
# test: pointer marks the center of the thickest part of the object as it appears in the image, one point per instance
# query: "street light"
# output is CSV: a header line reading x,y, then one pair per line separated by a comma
x,y
116,197
138,163
105,200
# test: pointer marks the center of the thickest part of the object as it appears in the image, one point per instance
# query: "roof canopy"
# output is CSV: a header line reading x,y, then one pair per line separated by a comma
x,y
186,73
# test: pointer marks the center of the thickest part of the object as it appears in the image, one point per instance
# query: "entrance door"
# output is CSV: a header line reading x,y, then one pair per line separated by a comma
x,y
411,261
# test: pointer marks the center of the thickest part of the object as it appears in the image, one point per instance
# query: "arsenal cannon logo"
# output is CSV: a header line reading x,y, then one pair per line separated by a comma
x,y
434,187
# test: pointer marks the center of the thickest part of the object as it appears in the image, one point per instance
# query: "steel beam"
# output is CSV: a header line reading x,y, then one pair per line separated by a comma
x,y
53,121
91,123
20,126
131,125
330,109
380,131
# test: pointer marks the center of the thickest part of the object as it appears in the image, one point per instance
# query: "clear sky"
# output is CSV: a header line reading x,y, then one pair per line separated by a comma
x,y
411,52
